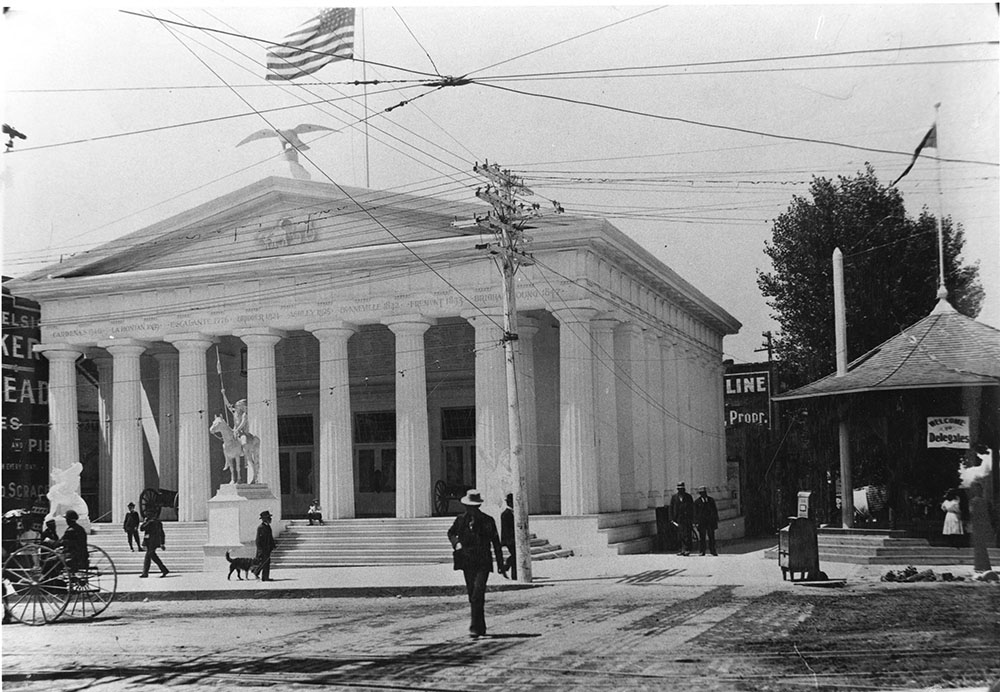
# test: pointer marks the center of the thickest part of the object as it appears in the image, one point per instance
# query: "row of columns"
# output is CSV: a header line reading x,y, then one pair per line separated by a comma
x,y
627,400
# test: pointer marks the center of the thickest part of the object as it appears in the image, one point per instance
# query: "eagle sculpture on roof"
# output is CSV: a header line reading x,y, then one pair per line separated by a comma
x,y
289,138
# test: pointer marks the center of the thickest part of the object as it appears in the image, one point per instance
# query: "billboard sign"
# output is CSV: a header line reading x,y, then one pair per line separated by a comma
x,y
25,406
747,398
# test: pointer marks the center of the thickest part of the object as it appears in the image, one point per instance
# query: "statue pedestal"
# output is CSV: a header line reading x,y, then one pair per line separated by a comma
x,y
233,518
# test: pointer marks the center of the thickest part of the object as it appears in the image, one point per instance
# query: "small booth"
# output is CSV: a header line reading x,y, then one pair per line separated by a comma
x,y
798,545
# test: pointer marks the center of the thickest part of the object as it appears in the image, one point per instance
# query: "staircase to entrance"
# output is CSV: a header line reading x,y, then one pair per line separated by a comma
x,y
373,542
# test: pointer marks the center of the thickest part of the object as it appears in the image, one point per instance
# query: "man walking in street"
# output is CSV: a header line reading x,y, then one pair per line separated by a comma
x,y
507,538
265,545
155,539
682,516
706,517
131,526
473,535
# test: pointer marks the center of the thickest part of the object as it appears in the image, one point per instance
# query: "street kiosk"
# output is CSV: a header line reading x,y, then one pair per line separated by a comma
x,y
798,545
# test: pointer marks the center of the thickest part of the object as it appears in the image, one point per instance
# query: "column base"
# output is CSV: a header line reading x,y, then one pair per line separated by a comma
x,y
233,518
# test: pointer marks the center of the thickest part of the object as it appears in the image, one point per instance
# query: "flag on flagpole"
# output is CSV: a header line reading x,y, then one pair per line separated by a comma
x,y
325,38
929,140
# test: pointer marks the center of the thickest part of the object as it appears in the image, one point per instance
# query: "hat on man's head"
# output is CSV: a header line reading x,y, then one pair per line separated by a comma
x,y
473,498
131,504
680,485
265,514
702,489
71,515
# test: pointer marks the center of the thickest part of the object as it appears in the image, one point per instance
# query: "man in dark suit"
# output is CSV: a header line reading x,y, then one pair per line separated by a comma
x,y
682,516
155,539
131,527
473,535
74,542
706,518
507,537
265,545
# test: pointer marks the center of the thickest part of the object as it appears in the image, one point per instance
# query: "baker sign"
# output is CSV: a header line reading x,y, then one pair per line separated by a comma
x,y
948,431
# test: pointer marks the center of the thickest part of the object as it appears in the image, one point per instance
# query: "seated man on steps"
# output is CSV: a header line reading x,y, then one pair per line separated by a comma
x,y
314,513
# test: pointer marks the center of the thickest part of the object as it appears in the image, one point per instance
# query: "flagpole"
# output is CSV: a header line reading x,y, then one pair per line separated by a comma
x,y
364,79
942,289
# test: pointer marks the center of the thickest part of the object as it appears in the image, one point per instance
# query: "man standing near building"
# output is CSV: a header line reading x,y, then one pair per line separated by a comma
x,y
507,537
155,538
472,536
682,516
265,545
74,542
131,527
706,517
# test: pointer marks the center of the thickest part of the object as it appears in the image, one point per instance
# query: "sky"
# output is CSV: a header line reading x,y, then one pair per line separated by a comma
x,y
689,127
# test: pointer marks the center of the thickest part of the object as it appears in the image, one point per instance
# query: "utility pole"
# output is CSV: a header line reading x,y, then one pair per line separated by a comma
x,y
506,222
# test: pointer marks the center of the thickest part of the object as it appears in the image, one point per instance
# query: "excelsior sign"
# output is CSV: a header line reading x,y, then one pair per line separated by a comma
x,y
748,398
948,431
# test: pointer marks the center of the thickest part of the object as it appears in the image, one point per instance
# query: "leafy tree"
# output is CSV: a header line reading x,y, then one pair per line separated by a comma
x,y
890,271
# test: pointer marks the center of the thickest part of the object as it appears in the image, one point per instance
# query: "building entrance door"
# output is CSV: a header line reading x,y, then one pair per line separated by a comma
x,y
375,481
298,484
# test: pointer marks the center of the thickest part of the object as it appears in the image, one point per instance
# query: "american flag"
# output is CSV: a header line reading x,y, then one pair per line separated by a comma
x,y
327,37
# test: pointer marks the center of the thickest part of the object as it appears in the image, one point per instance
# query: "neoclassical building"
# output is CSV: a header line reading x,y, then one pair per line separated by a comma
x,y
363,328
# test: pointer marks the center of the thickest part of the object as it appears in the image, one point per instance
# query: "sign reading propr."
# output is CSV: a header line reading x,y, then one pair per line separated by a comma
x,y
948,431
747,398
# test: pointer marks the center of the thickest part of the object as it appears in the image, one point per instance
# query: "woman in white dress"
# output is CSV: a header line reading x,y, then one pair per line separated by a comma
x,y
952,518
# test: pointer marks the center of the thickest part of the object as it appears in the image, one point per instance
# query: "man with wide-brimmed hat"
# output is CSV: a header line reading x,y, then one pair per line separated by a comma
x,y
475,541
152,527
706,518
682,517
265,545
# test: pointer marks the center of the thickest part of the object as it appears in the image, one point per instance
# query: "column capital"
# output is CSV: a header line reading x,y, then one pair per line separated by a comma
x,y
189,338
527,326
59,351
164,356
604,323
573,315
333,328
260,335
408,324
629,328
124,346
488,315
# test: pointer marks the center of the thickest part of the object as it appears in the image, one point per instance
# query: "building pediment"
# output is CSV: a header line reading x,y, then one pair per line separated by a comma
x,y
274,217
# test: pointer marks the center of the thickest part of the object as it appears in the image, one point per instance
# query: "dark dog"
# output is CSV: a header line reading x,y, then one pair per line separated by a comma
x,y
240,564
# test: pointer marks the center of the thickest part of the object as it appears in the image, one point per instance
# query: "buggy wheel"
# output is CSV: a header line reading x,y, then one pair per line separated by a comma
x,y
149,503
92,589
441,498
35,586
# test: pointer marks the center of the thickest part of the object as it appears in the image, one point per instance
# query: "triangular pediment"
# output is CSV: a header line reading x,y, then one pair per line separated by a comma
x,y
274,217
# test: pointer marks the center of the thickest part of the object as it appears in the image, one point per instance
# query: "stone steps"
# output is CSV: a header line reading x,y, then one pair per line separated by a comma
x,y
360,542
872,547
185,547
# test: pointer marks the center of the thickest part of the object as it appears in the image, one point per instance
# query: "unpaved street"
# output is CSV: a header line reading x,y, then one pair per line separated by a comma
x,y
648,632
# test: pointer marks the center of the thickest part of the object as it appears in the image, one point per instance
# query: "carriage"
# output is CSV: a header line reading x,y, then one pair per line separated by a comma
x,y
41,584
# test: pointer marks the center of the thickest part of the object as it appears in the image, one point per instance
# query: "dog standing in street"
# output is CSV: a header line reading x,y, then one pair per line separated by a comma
x,y
239,564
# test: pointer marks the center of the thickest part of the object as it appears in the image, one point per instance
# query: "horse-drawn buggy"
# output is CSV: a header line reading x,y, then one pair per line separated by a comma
x,y
42,582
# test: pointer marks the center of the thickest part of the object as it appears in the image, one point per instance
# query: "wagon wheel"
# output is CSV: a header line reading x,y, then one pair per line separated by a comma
x,y
149,503
34,583
92,589
441,497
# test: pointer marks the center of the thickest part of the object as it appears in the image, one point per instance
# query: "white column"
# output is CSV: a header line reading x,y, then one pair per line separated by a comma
x,y
527,327
413,461
64,432
194,477
717,424
605,387
671,426
682,363
336,447
625,399
262,399
492,433
654,390
577,429
169,381
105,406
127,456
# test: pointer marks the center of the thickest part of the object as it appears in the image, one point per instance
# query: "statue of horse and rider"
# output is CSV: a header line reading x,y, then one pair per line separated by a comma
x,y
238,442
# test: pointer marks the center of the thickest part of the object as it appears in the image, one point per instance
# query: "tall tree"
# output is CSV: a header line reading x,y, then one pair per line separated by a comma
x,y
890,271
